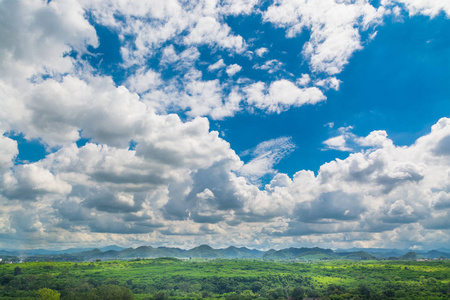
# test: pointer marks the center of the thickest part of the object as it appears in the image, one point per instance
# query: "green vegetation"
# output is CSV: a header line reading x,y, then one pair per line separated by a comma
x,y
206,252
170,278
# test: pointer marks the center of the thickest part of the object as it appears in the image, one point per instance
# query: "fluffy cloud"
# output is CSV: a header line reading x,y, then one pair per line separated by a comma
x,y
209,31
36,34
334,25
28,182
151,24
8,151
217,65
425,7
180,182
233,69
281,95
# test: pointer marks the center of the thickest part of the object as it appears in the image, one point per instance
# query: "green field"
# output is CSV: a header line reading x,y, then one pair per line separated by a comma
x,y
167,278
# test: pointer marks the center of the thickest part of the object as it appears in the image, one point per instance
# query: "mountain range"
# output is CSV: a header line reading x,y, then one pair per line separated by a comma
x,y
207,252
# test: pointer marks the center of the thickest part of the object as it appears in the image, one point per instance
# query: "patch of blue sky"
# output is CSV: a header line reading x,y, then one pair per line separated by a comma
x,y
106,59
375,3
82,141
132,145
397,83
30,150
33,150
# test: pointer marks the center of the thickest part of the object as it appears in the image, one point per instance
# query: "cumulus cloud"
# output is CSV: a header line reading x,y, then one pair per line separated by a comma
x,y
180,179
334,28
8,151
36,34
271,66
208,30
28,182
261,51
217,65
342,142
329,83
152,24
281,95
425,7
233,69
143,80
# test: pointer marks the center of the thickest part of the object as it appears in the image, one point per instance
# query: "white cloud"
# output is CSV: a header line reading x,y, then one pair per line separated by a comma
x,y
337,143
237,7
304,80
143,80
209,31
233,69
217,65
334,26
35,35
329,125
271,66
28,182
261,51
265,156
152,23
328,83
281,95
424,7
376,138
8,151
342,142
182,178
169,55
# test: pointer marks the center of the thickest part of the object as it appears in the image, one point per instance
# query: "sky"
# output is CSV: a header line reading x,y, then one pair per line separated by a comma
x,y
266,124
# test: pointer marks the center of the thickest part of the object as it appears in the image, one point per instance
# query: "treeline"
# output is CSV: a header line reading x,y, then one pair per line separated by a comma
x,y
225,279
206,252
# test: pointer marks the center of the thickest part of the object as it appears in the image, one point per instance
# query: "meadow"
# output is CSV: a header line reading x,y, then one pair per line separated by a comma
x,y
169,278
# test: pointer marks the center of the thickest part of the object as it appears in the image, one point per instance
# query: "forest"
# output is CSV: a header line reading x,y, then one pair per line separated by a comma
x,y
171,278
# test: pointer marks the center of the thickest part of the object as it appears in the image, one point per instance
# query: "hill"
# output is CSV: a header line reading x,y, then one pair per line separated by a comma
x,y
207,252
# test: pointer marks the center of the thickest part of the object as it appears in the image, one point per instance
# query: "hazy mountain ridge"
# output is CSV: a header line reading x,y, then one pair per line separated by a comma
x,y
232,252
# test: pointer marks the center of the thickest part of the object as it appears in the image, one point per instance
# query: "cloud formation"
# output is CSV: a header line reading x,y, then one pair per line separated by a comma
x,y
146,174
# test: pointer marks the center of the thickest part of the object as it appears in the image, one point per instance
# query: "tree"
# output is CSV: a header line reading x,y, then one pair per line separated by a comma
x,y
161,296
48,294
110,292
298,293
17,271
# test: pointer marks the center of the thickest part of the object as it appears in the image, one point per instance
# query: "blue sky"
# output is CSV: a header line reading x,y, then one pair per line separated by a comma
x,y
261,124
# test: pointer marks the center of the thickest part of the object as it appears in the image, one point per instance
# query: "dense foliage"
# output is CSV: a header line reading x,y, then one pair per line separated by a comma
x,y
167,278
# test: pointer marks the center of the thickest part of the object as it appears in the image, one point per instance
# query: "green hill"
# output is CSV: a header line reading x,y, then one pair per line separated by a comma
x,y
204,251
410,256
300,253
360,255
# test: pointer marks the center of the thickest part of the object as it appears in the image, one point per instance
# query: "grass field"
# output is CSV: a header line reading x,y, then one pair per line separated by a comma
x,y
167,278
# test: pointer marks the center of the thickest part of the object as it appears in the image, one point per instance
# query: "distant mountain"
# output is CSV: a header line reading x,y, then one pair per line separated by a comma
x,y
6,253
204,251
143,251
171,252
243,252
360,255
377,252
300,254
112,247
410,256
436,254
207,252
